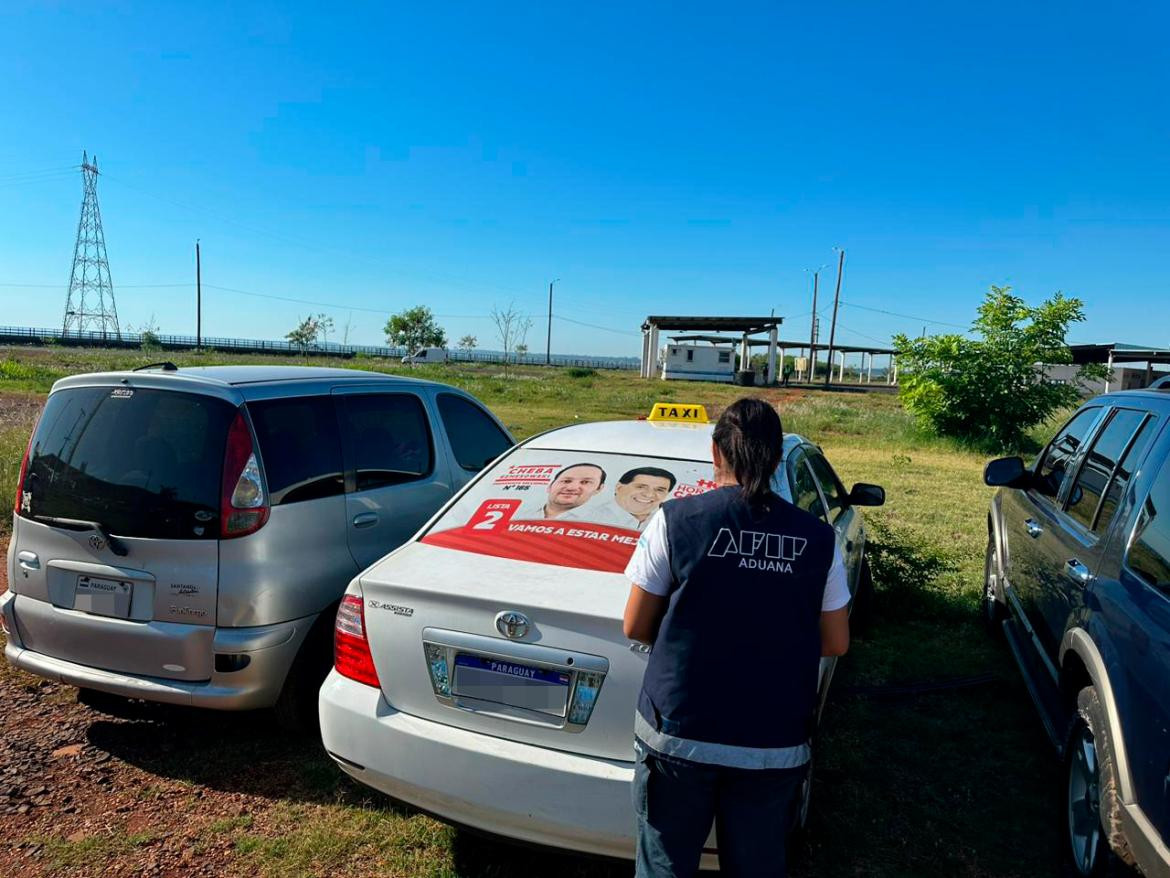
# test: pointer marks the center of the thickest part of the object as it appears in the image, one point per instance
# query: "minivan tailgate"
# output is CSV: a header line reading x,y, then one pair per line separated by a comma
x,y
158,622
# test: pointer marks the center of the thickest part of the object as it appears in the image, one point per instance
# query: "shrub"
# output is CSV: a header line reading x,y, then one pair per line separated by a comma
x,y
989,391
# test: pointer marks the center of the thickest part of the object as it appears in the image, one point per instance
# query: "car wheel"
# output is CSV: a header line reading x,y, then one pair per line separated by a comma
x,y
861,615
992,608
1092,805
296,708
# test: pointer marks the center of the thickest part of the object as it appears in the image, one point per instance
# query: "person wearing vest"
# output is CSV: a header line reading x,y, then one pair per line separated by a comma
x,y
739,593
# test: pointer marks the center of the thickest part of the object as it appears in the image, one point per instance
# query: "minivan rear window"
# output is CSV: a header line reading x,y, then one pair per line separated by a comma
x,y
141,462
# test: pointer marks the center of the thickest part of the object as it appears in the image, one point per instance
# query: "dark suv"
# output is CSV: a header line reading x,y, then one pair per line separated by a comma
x,y
1078,578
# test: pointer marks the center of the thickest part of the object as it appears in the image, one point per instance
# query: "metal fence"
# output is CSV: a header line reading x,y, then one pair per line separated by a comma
x,y
27,335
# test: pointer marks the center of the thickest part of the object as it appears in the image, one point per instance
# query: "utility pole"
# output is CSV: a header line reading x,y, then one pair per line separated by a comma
x,y
812,332
833,328
548,341
198,300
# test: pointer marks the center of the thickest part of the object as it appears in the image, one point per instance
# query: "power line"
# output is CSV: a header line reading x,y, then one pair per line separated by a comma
x,y
120,286
309,245
905,316
596,326
43,172
332,305
296,300
884,343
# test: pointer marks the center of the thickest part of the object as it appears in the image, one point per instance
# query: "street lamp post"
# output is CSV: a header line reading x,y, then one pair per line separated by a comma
x,y
548,340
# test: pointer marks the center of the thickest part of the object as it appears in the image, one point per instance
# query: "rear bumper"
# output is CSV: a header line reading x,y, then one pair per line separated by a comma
x,y
270,650
520,791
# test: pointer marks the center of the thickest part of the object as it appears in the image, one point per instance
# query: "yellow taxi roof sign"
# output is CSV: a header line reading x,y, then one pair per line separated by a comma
x,y
686,413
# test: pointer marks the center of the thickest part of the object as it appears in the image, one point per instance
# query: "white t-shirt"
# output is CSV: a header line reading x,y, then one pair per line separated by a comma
x,y
649,567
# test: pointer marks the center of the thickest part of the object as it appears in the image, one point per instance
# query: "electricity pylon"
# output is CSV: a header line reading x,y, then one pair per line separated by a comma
x,y
90,302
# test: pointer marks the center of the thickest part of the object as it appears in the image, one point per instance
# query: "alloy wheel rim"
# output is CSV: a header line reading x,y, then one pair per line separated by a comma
x,y
1084,802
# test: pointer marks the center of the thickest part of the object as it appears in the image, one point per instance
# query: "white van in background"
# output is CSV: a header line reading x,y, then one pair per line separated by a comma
x,y
427,355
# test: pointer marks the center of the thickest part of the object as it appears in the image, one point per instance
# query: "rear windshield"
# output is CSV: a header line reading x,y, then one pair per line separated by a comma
x,y
143,463
569,508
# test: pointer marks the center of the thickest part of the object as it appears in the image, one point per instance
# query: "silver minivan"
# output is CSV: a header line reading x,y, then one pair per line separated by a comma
x,y
185,535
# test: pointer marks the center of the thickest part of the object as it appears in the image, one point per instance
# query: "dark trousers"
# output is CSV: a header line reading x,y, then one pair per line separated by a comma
x,y
676,802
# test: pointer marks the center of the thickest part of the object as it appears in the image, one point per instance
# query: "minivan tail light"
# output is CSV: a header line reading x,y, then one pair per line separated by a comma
x,y
24,468
351,650
243,500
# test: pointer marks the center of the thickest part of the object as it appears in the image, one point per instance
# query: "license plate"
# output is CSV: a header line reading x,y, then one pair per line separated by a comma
x,y
510,683
105,597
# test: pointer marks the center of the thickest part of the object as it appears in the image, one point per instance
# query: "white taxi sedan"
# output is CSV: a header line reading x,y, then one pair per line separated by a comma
x,y
480,670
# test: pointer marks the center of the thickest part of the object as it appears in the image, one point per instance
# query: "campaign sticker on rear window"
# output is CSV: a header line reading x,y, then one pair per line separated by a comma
x,y
584,510
121,393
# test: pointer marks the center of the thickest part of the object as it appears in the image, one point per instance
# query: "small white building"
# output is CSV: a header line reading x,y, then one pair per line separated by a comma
x,y
691,362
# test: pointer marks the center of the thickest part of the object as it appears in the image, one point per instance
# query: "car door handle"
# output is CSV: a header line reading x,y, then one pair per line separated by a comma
x,y
1033,528
365,519
1077,572
28,560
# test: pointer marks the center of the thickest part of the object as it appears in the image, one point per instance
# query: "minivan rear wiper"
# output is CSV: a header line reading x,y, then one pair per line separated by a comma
x,y
116,545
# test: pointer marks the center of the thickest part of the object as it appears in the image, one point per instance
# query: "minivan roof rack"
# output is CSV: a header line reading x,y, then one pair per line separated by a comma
x,y
165,365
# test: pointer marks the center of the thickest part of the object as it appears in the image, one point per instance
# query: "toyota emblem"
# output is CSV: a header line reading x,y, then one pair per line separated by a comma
x,y
97,543
512,625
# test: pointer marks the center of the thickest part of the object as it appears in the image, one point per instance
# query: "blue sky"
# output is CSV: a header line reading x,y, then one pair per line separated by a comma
x,y
673,158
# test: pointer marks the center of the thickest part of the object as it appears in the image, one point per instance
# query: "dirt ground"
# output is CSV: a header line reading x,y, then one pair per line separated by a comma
x,y
79,796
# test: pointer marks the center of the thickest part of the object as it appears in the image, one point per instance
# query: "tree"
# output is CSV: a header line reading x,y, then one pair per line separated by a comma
x,y
989,391
521,351
415,328
306,333
511,328
468,343
324,326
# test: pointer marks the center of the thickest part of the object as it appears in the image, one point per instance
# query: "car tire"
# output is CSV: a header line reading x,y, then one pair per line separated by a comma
x,y
1093,840
296,707
991,606
861,615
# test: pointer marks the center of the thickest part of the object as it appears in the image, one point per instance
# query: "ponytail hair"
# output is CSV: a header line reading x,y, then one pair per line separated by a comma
x,y
751,441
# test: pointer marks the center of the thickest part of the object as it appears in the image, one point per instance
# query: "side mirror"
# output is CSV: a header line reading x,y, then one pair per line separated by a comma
x,y
867,495
1005,472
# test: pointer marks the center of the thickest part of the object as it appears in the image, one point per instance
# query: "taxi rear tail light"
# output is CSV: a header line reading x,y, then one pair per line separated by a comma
x,y
437,666
584,696
243,501
351,650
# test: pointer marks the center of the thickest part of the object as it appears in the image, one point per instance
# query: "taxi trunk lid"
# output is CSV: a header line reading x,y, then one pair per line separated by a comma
x,y
569,682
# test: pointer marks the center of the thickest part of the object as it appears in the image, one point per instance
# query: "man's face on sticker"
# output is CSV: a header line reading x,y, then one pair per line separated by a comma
x,y
642,495
572,488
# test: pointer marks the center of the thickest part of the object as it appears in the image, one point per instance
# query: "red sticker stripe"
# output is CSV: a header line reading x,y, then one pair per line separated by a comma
x,y
577,544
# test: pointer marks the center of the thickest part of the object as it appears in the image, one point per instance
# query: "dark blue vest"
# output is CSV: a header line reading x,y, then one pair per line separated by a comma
x,y
736,659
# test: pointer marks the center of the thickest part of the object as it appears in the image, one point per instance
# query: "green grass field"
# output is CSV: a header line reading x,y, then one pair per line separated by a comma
x,y
958,782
